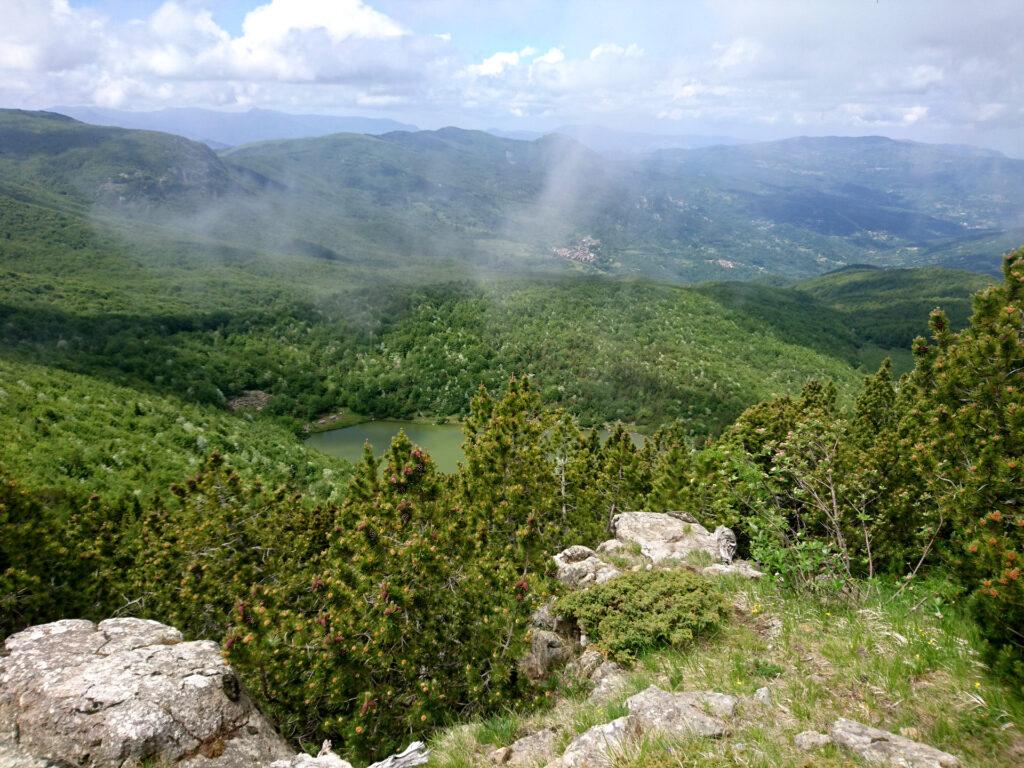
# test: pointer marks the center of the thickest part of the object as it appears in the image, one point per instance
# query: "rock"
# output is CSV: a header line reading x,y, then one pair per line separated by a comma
x,y
696,713
12,756
884,748
547,652
125,691
545,618
599,746
579,567
763,696
324,759
809,741
738,568
534,749
666,537
585,664
608,680
415,754
624,554
250,399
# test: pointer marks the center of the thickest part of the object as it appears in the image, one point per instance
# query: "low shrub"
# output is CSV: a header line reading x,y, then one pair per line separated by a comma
x,y
642,611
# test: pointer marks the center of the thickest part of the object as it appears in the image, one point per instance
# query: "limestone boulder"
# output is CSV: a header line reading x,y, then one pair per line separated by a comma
x,y
548,651
578,567
809,741
884,748
531,750
662,536
737,568
695,713
584,665
599,746
623,555
546,618
608,679
126,691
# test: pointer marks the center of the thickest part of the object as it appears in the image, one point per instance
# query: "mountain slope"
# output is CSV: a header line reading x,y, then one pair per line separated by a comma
x,y
229,129
890,307
110,165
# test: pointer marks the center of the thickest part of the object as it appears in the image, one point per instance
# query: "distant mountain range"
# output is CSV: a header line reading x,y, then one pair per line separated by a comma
x,y
795,208
611,141
220,129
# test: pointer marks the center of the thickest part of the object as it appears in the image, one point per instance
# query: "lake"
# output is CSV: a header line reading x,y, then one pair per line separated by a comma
x,y
442,441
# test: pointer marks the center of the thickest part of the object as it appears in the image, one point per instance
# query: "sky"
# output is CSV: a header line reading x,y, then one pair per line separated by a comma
x,y
928,70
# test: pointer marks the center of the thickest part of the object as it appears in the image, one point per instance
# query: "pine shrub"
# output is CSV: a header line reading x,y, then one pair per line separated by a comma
x,y
646,610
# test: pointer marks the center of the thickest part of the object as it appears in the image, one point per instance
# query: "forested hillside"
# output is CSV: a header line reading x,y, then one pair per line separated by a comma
x,y
846,506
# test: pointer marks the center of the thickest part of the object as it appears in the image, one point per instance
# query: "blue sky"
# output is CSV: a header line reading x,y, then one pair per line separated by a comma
x,y
932,70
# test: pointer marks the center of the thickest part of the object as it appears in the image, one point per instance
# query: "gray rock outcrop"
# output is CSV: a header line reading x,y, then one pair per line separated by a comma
x,y
608,679
578,567
599,746
531,750
695,713
809,741
548,651
663,536
884,748
124,691
736,568
325,759
413,755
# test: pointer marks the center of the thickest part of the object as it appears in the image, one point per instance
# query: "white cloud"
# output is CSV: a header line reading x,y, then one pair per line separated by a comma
x,y
271,24
631,51
553,56
496,64
737,53
914,114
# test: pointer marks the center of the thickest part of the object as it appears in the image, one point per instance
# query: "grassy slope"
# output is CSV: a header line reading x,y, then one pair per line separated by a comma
x,y
906,661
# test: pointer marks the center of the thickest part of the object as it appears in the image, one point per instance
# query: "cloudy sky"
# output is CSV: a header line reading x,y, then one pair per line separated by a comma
x,y
932,70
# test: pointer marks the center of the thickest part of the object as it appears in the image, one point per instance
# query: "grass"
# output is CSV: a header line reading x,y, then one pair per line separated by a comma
x,y
906,661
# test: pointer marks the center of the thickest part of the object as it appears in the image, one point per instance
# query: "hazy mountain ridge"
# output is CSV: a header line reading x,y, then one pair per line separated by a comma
x,y
796,207
221,129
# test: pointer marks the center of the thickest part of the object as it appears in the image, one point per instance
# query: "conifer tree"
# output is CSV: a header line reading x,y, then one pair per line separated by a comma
x,y
964,430
508,488
405,619
624,477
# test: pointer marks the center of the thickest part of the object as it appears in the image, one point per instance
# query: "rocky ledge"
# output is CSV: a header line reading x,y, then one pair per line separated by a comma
x,y
644,540
128,691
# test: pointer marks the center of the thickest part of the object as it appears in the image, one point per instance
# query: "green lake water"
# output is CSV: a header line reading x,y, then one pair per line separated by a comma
x,y
442,441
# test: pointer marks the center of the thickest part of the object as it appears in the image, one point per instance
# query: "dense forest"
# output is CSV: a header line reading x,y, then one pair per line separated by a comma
x,y
343,618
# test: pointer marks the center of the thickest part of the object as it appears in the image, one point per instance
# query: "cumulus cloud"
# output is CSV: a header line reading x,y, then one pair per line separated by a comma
x,y
933,69
631,51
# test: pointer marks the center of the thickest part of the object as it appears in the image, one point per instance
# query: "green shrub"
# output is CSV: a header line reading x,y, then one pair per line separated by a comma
x,y
646,610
